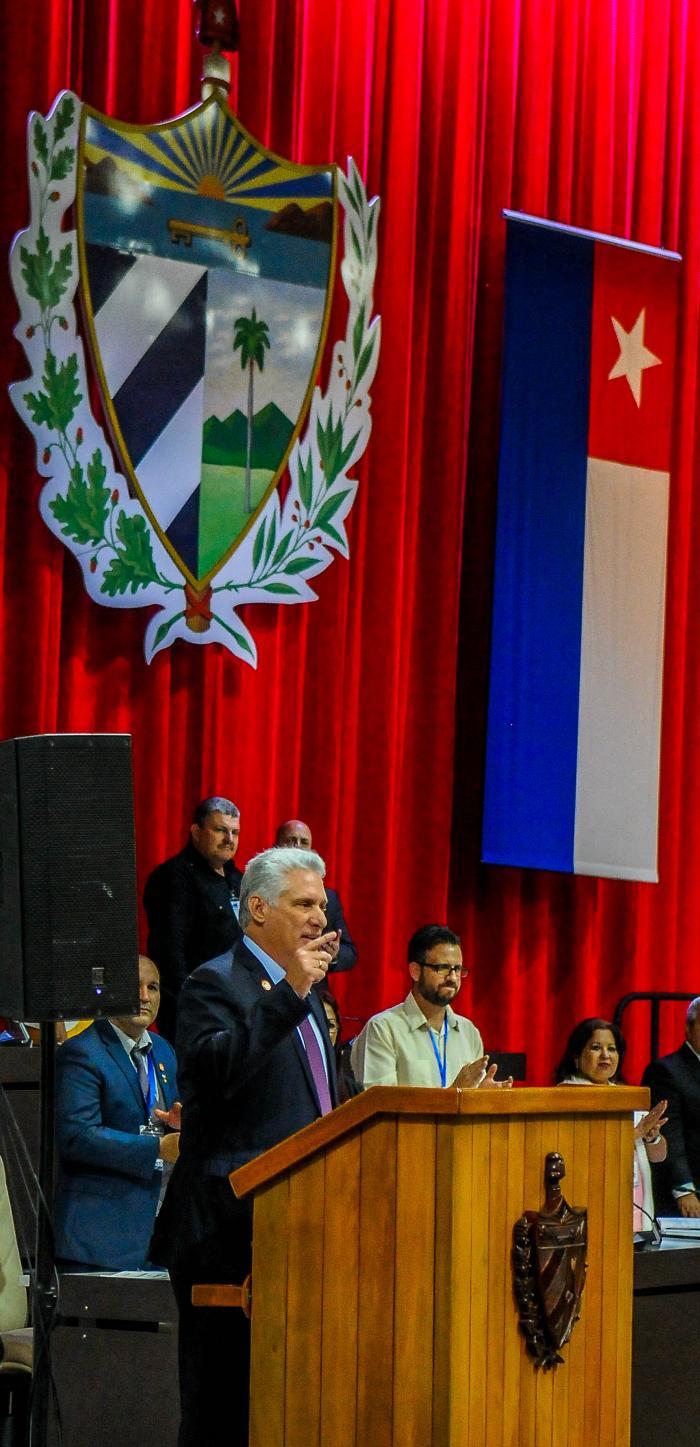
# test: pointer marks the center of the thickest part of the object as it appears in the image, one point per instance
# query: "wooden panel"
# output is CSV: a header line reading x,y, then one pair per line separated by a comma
x,y
414,1258
413,1272
532,1200
562,1376
219,1295
513,1205
613,1174
377,1101
557,1100
453,1218
498,1278
575,1186
375,1317
545,1383
596,1289
304,1300
340,1294
478,1284
625,1270
268,1364
418,1101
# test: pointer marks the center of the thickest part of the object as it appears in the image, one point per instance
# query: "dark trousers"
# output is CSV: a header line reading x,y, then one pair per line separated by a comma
x,y
203,1234
214,1368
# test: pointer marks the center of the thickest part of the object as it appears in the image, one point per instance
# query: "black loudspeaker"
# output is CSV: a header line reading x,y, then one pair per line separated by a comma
x,y
68,914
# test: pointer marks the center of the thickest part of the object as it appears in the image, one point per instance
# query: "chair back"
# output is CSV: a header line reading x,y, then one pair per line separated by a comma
x,y
13,1295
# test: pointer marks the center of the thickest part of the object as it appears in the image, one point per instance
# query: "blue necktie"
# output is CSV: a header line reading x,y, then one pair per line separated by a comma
x,y
138,1055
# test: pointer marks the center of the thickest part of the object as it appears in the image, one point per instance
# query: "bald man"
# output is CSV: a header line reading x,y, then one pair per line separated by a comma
x,y
117,1118
295,834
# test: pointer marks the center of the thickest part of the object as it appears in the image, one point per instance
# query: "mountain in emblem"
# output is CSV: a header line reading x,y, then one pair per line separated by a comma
x,y
105,178
224,443
315,224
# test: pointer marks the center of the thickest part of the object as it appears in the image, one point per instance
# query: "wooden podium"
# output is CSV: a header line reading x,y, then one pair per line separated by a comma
x,y
383,1307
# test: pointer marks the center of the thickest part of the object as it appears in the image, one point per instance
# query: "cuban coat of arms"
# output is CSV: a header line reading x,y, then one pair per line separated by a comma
x,y
198,270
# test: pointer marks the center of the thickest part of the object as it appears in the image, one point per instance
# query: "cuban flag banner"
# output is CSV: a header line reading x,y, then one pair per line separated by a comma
x,y
574,730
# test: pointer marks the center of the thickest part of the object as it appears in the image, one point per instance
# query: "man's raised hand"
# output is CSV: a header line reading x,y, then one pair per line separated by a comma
x,y
310,962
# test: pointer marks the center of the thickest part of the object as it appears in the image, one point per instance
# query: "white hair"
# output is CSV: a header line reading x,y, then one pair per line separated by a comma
x,y
691,1013
266,875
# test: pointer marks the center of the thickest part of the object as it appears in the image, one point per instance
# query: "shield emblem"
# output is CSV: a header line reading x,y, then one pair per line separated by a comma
x,y
560,1257
207,268
549,1268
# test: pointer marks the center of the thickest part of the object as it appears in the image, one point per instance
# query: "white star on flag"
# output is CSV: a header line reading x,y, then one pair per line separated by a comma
x,y
634,357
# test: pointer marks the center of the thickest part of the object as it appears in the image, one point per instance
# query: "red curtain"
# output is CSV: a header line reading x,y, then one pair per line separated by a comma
x,y
366,714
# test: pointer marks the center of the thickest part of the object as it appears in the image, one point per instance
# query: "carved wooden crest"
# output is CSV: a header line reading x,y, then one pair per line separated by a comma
x,y
549,1268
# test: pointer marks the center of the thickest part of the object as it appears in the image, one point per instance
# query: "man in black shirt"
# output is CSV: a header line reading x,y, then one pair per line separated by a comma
x,y
191,902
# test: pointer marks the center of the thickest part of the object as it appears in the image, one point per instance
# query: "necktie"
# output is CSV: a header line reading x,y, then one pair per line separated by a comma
x,y
313,1051
138,1055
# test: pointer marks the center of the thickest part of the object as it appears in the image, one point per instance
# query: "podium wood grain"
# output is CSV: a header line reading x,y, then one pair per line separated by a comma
x,y
383,1309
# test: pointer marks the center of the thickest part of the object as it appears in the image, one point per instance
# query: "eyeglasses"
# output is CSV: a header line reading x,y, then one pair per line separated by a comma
x,y
446,969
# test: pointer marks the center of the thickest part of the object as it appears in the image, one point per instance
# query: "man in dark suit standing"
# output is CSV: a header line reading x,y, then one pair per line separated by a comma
x,y
191,901
255,1064
676,1078
116,1109
295,834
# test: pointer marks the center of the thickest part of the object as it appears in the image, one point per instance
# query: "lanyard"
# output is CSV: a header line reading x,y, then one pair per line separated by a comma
x,y
441,1063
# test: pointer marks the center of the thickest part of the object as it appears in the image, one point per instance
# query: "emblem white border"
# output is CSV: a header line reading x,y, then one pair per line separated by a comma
x,y
124,564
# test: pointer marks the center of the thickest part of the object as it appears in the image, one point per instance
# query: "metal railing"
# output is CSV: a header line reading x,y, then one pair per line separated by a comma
x,y
655,998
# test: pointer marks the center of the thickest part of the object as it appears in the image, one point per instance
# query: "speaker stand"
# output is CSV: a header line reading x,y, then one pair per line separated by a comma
x,y
44,1285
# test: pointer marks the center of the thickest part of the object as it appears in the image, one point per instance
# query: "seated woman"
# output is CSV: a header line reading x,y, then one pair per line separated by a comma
x,y
347,1084
594,1054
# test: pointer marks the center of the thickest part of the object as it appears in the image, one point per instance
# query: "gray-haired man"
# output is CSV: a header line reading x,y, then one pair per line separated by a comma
x,y
255,1064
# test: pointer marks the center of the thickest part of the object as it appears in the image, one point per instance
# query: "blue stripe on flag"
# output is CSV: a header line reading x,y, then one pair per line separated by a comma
x,y
530,791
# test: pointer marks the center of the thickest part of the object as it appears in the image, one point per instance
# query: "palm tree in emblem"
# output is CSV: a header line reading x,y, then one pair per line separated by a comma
x,y
252,336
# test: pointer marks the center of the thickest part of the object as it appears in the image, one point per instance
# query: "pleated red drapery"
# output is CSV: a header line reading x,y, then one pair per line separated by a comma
x,y
367,712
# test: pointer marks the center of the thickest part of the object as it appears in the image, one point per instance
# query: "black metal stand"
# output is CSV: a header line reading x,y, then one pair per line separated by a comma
x,y
44,1288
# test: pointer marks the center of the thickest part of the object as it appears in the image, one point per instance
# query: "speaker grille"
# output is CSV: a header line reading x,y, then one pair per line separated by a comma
x,y
78,875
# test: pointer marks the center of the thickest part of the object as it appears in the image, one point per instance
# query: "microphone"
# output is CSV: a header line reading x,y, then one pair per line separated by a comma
x,y
645,1240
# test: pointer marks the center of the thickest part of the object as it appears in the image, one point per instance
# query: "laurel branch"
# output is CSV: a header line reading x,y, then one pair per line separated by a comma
x,y
88,501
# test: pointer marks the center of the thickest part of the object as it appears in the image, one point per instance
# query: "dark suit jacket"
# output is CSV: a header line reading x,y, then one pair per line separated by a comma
x,y
190,920
245,1084
108,1185
335,919
676,1078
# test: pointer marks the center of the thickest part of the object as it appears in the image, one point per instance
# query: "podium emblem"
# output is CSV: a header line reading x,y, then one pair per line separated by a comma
x,y
549,1268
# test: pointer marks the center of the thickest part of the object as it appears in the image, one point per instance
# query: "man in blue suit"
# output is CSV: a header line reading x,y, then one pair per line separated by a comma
x,y
256,1064
117,1129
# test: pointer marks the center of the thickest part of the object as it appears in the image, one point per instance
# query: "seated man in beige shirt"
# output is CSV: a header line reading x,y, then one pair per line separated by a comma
x,y
422,1041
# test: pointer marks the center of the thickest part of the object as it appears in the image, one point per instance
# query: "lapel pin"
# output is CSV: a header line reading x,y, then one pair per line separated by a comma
x,y
266,984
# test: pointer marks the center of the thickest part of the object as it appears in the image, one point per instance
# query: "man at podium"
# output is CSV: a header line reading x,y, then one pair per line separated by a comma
x,y
255,1064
